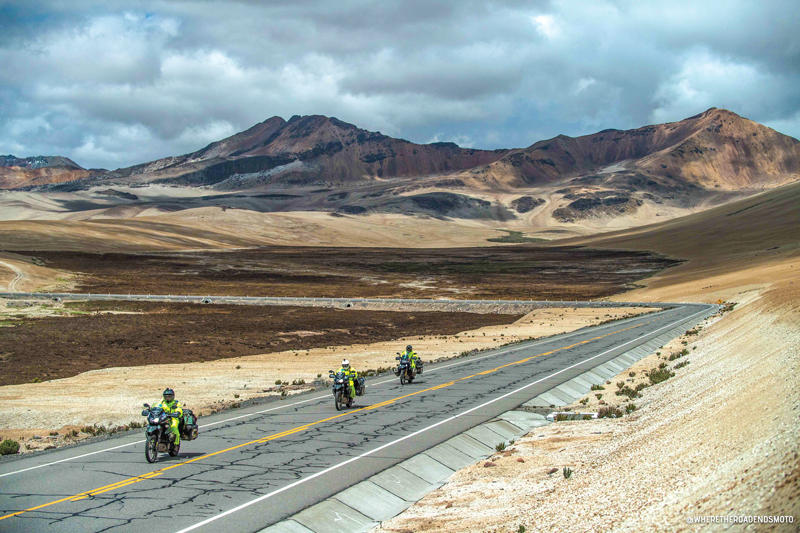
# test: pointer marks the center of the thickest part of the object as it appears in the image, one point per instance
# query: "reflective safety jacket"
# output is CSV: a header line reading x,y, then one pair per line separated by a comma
x,y
412,355
349,372
172,407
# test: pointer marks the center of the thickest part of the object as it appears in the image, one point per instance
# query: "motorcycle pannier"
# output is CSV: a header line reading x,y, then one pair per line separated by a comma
x,y
189,425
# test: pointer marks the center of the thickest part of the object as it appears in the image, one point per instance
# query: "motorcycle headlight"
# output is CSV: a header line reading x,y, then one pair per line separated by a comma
x,y
153,420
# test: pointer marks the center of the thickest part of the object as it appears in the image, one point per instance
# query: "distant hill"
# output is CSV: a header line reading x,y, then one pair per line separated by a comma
x,y
613,172
715,149
318,163
305,150
16,173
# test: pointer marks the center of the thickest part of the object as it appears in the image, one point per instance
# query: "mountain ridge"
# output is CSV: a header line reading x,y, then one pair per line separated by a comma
x,y
17,172
695,150
306,149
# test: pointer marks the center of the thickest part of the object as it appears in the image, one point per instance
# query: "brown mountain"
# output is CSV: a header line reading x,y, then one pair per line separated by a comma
x,y
17,173
715,149
708,159
307,149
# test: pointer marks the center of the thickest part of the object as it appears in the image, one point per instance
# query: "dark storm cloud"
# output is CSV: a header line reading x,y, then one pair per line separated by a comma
x,y
113,84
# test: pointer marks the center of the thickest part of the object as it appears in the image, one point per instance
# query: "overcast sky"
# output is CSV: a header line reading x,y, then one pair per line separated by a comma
x,y
111,84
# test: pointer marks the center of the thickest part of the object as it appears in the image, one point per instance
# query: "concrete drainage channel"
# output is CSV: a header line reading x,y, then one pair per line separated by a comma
x,y
367,504
385,495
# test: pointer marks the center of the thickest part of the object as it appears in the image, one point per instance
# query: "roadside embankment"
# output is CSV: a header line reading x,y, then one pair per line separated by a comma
x,y
720,437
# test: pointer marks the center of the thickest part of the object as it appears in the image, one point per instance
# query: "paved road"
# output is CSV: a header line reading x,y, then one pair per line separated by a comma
x,y
253,467
384,303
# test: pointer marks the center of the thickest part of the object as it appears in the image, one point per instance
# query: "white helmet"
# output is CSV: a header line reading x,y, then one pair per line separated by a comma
x,y
345,363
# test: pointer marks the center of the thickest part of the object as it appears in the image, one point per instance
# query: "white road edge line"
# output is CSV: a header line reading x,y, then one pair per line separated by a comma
x,y
423,430
308,400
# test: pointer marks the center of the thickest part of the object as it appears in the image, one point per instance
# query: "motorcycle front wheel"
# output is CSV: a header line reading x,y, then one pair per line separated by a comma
x,y
403,378
339,401
174,449
151,449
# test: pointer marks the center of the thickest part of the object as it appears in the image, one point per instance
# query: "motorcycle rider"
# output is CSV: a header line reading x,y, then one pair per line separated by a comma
x,y
351,375
170,405
412,357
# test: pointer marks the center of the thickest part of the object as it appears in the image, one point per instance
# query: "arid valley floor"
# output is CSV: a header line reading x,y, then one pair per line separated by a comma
x,y
721,436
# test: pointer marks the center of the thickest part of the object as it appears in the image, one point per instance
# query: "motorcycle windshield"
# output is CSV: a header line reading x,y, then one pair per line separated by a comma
x,y
156,415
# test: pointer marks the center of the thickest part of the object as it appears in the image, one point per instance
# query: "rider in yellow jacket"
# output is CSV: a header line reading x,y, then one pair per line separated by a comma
x,y
412,357
170,405
351,374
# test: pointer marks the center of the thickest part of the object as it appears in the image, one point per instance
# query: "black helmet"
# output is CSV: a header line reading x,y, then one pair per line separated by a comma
x,y
169,395
408,348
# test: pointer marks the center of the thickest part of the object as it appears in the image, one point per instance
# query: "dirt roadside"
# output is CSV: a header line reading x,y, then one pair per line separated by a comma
x,y
21,273
719,438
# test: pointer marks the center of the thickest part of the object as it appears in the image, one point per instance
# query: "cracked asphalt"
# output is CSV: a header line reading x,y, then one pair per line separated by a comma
x,y
286,454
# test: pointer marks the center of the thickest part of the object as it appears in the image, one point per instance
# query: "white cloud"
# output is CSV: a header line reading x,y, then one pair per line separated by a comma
x,y
583,84
706,80
546,25
118,85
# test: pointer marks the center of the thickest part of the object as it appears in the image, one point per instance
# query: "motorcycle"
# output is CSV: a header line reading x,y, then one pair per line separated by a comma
x,y
159,438
341,389
403,369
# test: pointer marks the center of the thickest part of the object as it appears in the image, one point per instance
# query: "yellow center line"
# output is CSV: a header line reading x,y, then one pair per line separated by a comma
x,y
137,479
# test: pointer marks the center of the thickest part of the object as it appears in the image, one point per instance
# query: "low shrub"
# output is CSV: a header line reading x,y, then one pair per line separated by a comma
x,y
598,387
560,417
609,412
567,472
620,384
681,365
89,430
585,401
500,446
659,375
9,447
599,396
277,382
629,392
587,417
631,407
